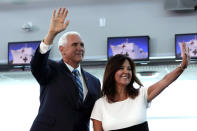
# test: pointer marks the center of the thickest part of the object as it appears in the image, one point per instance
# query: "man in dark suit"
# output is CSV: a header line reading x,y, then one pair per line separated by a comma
x,y
65,105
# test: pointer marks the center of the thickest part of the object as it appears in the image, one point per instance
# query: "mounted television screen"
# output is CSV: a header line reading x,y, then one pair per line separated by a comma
x,y
136,47
191,44
20,53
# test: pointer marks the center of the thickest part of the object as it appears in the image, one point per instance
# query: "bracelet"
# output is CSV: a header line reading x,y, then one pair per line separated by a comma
x,y
181,67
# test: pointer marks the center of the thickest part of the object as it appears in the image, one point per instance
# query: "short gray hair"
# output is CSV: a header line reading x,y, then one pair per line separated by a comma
x,y
63,38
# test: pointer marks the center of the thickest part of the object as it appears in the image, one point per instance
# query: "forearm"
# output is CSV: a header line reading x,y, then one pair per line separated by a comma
x,y
39,67
97,125
39,59
172,76
49,37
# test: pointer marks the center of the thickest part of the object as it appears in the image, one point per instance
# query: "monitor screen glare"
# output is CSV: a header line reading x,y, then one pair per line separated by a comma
x,y
191,44
136,48
20,53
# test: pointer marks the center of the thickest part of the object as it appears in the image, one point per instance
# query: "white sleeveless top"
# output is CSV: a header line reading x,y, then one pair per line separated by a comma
x,y
121,114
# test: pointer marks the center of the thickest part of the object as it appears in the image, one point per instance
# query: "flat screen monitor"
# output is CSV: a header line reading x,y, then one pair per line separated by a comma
x,y
191,44
136,47
20,53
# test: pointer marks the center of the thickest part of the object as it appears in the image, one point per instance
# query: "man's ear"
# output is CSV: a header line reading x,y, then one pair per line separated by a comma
x,y
61,49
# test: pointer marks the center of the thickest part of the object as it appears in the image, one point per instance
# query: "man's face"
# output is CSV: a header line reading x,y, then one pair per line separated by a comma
x,y
73,51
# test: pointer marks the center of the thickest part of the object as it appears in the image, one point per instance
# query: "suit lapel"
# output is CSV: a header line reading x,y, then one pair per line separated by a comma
x,y
65,70
87,82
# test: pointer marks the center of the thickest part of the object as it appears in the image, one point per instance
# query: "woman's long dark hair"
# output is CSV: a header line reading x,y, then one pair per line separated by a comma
x,y
109,87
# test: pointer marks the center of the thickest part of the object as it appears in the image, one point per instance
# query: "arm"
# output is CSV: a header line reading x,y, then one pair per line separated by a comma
x,y
97,125
39,62
158,87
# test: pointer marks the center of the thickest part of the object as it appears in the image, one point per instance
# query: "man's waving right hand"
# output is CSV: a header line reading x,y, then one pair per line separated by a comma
x,y
57,25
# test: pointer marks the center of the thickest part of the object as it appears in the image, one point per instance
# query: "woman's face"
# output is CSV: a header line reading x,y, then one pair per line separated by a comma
x,y
123,75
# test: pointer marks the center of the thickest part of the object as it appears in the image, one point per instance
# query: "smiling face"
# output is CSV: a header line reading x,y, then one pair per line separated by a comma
x,y
73,50
123,75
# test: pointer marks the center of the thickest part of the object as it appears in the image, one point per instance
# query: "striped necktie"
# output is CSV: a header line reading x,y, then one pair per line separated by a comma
x,y
79,84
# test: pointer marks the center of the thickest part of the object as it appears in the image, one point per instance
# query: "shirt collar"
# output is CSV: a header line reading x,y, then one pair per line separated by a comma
x,y
71,68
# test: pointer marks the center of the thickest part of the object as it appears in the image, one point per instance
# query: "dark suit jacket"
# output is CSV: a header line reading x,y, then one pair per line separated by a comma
x,y
59,108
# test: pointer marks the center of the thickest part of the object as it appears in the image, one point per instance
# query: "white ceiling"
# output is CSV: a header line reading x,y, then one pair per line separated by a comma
x,y
54,1
26,1
12,4
64,2
7,5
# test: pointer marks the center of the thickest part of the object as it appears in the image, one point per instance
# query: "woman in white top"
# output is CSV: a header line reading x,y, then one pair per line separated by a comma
x,y
123,107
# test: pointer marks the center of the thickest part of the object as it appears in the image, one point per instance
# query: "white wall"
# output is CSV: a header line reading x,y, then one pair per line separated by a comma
x,y
125,18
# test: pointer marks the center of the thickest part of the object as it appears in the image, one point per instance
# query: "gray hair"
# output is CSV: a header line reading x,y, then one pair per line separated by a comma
x,y
63,38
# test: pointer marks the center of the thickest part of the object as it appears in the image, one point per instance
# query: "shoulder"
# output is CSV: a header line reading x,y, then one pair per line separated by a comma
x,y
100,101
144,95
99,104
54,63
88,74
143,89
